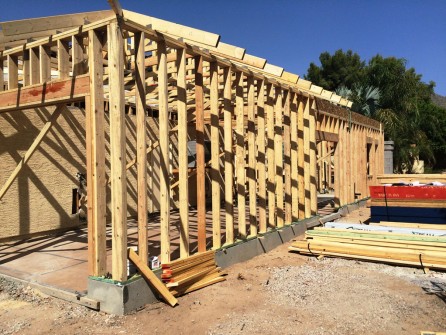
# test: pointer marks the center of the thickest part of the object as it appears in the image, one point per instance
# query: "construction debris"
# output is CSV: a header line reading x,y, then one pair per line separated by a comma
x,y
417,250
190,274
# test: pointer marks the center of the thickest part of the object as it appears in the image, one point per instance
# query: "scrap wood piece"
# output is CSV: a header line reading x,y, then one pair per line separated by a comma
x,y
185,261
197,286
151,278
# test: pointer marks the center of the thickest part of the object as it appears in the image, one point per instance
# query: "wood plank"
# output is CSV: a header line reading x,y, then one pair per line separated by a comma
x,y
54,92
240,156
45,63
200,154
278,157
410,178
40,137
77,55
261,155
409,225
326,136
287,156
198,285
117,152
301,157
26,68
141,145
198,257
151,278
307,159
228,164
215,156
95,145
2,81
182,153
164,152
63,59
34,65
271,186
13,74
116,7
251,172
294,158
313,160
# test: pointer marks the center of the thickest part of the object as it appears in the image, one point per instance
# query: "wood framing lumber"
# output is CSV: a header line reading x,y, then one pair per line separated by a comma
x,y
182,153
294,158
326,136
287,156
409,225
151,278
278,157
197,286
251,172
117,152
261,155
352,226
32,149
116,7
410,178
54,92
301,158
271,185
141,144
307,158
313,161
200,256
63,59
416,203
190,267
173,28
13,77
188,277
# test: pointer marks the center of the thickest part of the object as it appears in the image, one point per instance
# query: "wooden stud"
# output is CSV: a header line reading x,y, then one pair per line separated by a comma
x,y
183,154
13,71
201,173
215,156
278,157
251,173
141,145
34,65
307,163
271,187
301,157
261,154
294,159
287,156
63,59
26,68
118,152
229,167
45,63
77,55
313,160
240,156
32,149
2,82
95,145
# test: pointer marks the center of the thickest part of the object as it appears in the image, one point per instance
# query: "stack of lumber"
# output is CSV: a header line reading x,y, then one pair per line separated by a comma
x,y
418,204
387,244
186,275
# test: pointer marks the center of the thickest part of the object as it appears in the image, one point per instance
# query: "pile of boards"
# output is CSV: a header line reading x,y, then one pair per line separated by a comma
x,y
186,275
418,245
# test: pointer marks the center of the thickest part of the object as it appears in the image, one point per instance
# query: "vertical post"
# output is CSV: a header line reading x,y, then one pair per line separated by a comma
x,y
294,159
164,152
63,59
278,156
313,160
182,154
201,173
307,163
77,55
13,72
287,156
215,156
2,82
229,167
45,63
240,156
261,154
95,144
251,173
118,152
301,157
337,165
270,153
141,144
26,68
34,65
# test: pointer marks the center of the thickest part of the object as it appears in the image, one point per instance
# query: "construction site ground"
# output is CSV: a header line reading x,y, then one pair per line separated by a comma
x,y
275,293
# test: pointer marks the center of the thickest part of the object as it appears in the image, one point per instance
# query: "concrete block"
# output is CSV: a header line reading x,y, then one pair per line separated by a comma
x,y
270,241
240,252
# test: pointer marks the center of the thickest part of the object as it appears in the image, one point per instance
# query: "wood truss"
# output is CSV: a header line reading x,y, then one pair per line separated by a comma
x,y
276,139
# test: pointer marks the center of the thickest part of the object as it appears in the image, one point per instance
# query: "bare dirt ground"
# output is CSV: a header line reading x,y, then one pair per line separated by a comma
x,y
274,293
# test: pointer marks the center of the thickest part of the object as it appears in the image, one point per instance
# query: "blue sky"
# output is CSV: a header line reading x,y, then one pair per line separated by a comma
x,y
292,33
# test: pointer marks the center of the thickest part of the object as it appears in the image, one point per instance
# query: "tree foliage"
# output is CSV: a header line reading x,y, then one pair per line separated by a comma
x,y
386,90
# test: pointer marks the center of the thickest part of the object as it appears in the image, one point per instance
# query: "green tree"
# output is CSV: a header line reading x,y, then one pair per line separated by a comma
x,y
340,69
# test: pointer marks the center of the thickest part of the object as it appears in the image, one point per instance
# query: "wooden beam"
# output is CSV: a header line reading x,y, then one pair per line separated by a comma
x,y
2,81
200,158
77,55
116,7
45,63
118,152
278,159
95,157
229,167
287,156
215,156
182,153
313,161
63,59
32,149
301,157
141,145
240,156
164,152
34,65
270,156
326,136
294,158
13,73
307,160
251,172
54,92
261,155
